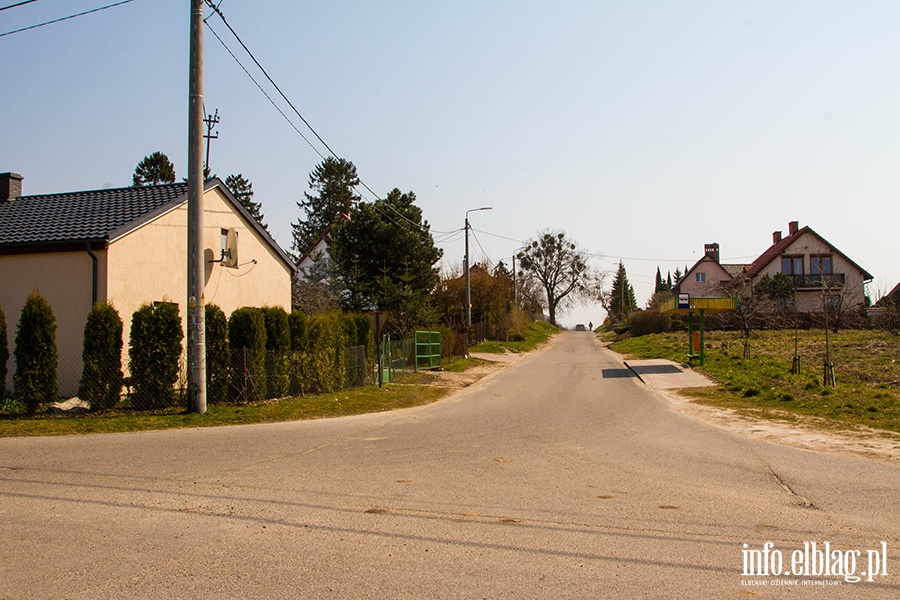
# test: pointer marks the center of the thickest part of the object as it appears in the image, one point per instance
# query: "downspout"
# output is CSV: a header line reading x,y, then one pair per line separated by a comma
x,y
93,273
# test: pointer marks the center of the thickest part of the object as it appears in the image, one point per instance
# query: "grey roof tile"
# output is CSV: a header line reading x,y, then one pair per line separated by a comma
x,y
81,216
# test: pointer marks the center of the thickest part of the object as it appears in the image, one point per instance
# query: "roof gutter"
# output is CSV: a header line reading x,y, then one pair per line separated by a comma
x,y
93,273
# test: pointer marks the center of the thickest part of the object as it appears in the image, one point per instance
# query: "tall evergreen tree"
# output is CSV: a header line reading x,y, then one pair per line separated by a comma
x,y
34,381
669,281
621,297
153,170
385,258
243,191
660,285
333,183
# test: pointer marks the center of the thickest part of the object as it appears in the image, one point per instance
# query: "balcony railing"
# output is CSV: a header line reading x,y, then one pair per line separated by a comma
x,y
817,282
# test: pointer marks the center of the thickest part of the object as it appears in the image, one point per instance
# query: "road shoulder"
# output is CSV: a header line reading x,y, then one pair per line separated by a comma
x,y
674,383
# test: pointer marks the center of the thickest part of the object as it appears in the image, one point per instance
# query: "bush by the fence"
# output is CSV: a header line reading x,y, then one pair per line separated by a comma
x,y
247,338
101,357
4,353
34,381
218,355
649,321
154,354
278,350
322,355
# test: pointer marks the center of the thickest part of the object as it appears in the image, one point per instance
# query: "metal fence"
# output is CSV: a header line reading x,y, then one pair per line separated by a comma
x,y
240,378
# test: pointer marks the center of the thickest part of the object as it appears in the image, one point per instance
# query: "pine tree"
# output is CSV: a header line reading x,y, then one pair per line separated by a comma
x,y
243,191
153,170
669,281
621,298
660,286
333,183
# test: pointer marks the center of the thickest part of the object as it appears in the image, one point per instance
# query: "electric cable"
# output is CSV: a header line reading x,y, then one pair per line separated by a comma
x,y
268,97
18,4
81,14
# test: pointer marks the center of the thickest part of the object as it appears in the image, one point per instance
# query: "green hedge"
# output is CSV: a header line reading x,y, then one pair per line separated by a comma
x,y
155,354
278,351
247,338
34,381
4,353
101,375
218,355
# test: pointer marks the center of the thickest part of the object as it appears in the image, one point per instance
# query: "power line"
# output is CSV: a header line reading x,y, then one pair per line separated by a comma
x,y
268,97
215,8
81,14
272,81
17,5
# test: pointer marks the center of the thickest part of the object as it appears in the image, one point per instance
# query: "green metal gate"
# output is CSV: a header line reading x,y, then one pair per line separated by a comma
x,y
428,349
387,367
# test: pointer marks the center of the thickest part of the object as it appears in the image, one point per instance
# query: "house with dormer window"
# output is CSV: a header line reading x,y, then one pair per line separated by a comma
x,y
823,276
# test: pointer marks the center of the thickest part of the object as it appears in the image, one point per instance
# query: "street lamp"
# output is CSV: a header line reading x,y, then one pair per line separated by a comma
x,y
468,286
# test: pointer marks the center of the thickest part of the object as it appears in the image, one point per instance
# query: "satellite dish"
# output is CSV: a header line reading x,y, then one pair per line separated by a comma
x,y
230,255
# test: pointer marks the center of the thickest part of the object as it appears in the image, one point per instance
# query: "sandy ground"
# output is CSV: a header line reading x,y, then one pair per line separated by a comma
x,y
808,433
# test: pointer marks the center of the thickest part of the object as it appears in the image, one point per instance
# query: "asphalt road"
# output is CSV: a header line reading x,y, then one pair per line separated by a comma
x,y
559,476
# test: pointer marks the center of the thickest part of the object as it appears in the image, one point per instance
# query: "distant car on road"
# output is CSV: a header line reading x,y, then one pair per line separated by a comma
x,y
580,327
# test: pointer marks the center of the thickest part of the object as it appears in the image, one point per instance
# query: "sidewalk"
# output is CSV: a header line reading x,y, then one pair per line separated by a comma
x,y
661,374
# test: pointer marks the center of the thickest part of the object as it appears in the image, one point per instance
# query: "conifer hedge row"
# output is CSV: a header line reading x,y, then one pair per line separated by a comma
x,y
257,353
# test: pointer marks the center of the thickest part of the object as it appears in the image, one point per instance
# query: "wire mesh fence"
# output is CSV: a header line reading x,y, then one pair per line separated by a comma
x,y
241,377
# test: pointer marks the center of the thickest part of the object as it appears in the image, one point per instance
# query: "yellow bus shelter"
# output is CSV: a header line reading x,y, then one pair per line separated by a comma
x,y
684,304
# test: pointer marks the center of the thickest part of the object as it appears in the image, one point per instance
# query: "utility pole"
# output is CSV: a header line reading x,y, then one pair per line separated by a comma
x,y
468,286
195,275
211,121
515,282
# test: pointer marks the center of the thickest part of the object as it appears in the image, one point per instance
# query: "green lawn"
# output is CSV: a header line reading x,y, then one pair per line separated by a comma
x,y
866,365
347,402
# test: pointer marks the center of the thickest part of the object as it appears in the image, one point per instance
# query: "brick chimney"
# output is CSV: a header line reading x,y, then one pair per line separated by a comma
x,y
776,237
793,227
10,186
712,251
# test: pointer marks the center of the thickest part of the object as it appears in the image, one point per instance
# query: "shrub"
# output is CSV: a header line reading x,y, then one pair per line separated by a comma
x,y
323,356
155,355
649,321
278,348
4,353
218,355
247,338
36,359
101,376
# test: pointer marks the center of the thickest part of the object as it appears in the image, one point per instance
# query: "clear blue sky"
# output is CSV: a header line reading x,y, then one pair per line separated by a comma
x,y
642,129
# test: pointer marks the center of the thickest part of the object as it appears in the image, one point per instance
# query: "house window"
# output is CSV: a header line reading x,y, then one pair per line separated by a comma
x,y
700,277
832,303
820,265
792,265
224,242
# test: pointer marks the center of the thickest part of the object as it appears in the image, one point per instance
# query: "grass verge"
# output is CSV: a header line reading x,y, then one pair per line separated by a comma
x,y
356,401
866,364
537,333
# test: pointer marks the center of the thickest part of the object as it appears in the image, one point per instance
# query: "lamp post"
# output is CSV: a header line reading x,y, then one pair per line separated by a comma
x,y
468,286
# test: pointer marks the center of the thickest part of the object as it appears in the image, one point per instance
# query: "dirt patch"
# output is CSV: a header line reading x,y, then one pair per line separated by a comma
x,y
808,433
457,381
